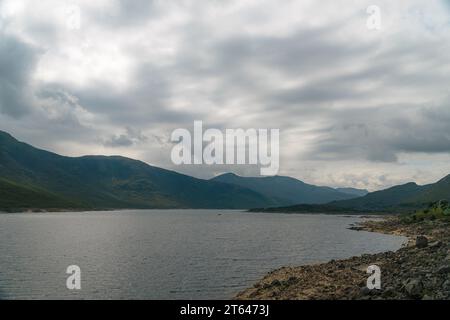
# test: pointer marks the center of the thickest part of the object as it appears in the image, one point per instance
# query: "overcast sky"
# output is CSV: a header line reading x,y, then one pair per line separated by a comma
x,y
355,107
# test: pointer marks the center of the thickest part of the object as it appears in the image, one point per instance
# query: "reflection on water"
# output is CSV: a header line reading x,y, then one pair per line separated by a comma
x,y
172,254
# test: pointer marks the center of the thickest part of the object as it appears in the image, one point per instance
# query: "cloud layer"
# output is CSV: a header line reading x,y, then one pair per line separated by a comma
x,y
356,107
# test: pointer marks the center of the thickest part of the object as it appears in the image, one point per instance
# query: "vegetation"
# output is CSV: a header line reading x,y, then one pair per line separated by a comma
x,y
15,197
402,199
439,210
285,191
33,178
36,179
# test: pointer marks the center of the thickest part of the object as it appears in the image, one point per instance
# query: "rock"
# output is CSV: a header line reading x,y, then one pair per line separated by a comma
x,y
446,285
435,283
421,242
435,244
266,286
389,292
414,288
365,291
444,269
292,280
275,283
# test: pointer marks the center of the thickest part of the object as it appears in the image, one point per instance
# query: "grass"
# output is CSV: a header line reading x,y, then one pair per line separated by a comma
x,y
17,197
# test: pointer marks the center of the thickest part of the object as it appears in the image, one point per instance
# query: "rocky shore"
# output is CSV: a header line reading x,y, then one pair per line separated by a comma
x,y
420,270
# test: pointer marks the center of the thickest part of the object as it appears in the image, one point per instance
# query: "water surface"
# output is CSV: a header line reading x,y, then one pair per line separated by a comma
x,y
166,254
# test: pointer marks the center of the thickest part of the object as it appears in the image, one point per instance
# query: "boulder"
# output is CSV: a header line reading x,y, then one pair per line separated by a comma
x,y
421,242
444,269
446,285
414,288
365,291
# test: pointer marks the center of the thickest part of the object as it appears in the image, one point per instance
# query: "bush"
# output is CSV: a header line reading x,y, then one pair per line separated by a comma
x,y
436,211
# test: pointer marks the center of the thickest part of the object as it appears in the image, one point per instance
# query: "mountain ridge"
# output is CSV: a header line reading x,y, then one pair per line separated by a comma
x,y
32,178
110,182
285,190
404,198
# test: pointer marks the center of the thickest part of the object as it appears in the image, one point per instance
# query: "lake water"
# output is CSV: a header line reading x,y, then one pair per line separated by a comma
x,y
172,254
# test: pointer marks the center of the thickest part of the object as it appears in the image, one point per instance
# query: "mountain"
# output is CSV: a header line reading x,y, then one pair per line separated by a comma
x,y
403,198
31,178
34,178
285,190
435,192
353,191
14,196
398,196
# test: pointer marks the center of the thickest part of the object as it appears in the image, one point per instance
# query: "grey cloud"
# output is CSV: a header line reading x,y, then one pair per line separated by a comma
x,y
119,141
301,51
126,13
363,133
128,139
240,67
131,108
315,94
59,96
297,55
17,62
145,103
382,133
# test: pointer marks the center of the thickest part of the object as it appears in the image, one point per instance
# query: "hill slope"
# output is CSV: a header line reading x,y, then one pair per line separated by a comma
x,y
285,190
399,196
107,182
15,197
353,191
403,198
435,192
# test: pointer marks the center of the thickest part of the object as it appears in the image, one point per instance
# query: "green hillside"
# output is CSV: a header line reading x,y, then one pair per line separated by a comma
x,y
16,197
393,198
435,192
31,178
286,191
399,199
109,182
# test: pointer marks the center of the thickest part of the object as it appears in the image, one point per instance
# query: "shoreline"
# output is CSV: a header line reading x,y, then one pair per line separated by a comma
x,y
419,270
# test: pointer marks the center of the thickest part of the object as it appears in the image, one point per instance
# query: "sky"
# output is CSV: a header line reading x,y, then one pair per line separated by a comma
x,y
356,106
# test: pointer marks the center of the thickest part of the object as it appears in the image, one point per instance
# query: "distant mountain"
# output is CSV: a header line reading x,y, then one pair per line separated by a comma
x,y
285,190
399,196
435,192
353,191
402,198
31,178
34,178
